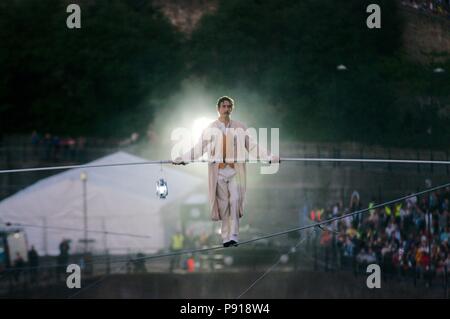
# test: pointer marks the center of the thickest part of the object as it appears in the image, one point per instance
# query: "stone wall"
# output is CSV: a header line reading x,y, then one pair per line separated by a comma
x,y
426,37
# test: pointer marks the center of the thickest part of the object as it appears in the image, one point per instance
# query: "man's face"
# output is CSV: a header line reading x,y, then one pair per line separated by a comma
x,y
225,108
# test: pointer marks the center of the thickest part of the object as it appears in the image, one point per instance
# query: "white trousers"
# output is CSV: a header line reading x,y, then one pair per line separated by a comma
x,y
228,200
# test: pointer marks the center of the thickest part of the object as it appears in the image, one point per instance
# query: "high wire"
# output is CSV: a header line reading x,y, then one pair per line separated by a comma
x,y
53,168
160,162
285,159
282,159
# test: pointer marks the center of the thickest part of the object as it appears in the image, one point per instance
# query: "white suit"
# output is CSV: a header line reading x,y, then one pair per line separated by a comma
x,y
227,186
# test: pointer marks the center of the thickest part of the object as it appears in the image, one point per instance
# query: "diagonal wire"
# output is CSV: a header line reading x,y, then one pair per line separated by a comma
x,y
267,271
97,282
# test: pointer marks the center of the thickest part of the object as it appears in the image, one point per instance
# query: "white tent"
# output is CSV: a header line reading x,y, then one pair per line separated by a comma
x,y
118,199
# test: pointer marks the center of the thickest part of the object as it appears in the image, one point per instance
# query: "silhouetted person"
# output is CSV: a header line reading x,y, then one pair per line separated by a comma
x,y
176,246
33,260
47,146
139,264
63,258
19,264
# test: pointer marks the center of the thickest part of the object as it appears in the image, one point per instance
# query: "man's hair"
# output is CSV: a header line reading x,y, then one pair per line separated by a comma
x,y
225,98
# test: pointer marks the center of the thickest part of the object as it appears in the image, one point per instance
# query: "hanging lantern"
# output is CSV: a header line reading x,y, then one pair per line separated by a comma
x,y
161,188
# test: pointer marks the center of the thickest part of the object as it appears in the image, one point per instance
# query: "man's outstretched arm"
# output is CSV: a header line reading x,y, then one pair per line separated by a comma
x,y
258,151
199,148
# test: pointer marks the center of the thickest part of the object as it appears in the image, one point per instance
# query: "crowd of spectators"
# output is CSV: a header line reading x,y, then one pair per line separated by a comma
x,y
54,147
409,238
435,7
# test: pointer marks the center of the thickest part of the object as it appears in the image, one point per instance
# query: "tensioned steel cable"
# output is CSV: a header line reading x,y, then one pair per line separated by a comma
x,y
362,160
279,260
273,234
52,168
95,283
269,270
282,159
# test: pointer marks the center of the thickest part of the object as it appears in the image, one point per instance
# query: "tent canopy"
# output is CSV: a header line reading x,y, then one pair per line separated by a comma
x,y
118,199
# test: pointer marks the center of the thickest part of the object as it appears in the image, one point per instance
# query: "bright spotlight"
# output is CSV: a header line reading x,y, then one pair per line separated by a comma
x,y
199,125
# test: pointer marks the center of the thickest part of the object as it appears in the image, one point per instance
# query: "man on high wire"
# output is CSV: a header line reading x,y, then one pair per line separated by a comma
x,y
223,139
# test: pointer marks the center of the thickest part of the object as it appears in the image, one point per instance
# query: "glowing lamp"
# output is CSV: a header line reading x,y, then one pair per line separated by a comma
x,y
161,189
